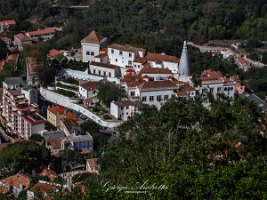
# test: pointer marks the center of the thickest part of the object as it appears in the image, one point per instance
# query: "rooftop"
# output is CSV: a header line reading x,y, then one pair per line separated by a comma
x,y
209,74
57,109
160,57
41,32
126,47
14,80
104,65
79,138
89,85
17,180
93,37
43,187
155,71
23,38
53,135
124,103
157,85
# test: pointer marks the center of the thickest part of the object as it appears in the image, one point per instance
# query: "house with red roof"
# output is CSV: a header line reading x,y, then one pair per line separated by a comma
x,y
55,114
215,83
242,63
104,70
14,184
46,171
20,40
44,34
161,60
5,24
91,46
45,189
156,74
87,92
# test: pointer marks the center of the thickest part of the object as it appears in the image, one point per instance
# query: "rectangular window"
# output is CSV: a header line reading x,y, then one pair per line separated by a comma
x,y
132,93
104,73
143,98
166,97
120,53
130,55
159,98
129,62
112,51
109,74
99,72
151,98
92,53
94,71
127,107
87,53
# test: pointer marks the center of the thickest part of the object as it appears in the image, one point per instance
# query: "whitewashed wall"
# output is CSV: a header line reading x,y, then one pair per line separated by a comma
x,y
71,104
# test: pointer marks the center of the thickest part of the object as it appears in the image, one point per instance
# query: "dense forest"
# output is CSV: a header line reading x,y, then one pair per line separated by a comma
x,y
156,25
192,152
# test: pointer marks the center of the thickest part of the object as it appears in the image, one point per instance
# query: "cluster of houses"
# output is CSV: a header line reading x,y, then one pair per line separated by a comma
x,y
148,78
12,186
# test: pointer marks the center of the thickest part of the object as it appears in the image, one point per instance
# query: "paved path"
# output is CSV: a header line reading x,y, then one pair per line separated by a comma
x,y
261,103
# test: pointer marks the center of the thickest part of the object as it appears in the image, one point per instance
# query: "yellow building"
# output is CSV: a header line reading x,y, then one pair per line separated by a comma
x,y
55,114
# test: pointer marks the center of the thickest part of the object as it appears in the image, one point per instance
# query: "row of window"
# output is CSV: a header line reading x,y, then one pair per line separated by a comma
x,y
103,74
121,53
129,62
158,98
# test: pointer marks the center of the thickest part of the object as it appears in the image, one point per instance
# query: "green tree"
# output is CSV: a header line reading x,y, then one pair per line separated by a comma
x,y
3,50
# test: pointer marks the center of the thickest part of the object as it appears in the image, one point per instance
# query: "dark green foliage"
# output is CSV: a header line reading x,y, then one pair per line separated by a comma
x,y
23,157
80,66
108,92
3,50
36,137
194,152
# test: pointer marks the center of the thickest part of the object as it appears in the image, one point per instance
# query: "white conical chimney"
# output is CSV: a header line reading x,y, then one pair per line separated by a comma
x,y
184,67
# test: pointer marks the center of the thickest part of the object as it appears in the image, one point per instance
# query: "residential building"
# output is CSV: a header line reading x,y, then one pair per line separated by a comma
x,y
14,184
55,114
92,166
156,92
45,34
70,127
87,90
32,67
242,63
139,63
46,171
53,140
161,60
20,40
91,46
42,188
78,142
156,74
186,91
104,70
5,24
124,55
18,110
124,109
215,83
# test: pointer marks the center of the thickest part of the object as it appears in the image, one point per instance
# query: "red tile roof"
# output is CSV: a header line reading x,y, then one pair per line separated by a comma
x,y
93,37
49,173
123,103
22,37
92,85
183,89
157,85
125,47
211,75
155,71
57,109
104,65
43,187
241,60
53,53
140,60
102,55
56,144
159,58
41,32
8,22
17,180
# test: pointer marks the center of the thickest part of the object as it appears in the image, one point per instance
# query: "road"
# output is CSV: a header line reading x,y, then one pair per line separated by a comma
x,y
261,103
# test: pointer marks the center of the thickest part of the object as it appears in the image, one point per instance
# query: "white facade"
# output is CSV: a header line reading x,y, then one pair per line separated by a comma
x,y
124,109
89,51
105,70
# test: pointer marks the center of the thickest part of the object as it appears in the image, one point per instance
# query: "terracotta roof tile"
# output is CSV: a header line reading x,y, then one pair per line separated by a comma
x,y
93,37
56,144
159,58
57,109
92,85
102,55
211,75
41,32
17,180
140,60
8,22
43,187
23,38
126,47
157,85
123,103
104,65
155,71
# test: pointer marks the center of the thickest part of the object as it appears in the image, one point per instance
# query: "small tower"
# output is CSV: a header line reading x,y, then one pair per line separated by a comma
x,y
184,67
